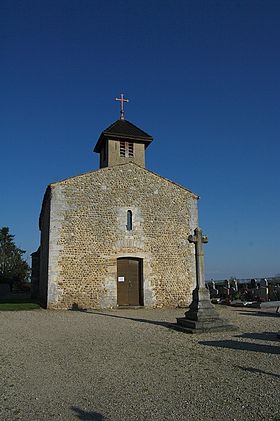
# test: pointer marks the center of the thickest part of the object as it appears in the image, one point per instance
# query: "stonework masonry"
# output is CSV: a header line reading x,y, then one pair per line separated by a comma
x,y
83,233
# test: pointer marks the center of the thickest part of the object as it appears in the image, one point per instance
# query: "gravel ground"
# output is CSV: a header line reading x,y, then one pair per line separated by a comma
x,y
127,365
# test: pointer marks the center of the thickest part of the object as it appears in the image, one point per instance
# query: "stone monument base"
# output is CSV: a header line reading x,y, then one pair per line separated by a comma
x,y
202,316
191,326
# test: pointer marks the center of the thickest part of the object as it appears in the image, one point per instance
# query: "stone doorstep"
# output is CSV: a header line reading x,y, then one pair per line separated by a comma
x,y
129,307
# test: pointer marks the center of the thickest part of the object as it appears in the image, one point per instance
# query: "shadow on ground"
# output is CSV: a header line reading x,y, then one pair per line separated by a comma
x,y
87,416
231,343
263,336
257,371
152,322
243,346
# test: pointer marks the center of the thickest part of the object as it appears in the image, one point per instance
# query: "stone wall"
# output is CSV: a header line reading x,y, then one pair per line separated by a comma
x,y
88,233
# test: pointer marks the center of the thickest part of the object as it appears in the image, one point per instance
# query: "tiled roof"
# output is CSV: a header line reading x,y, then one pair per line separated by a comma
x,y
125,130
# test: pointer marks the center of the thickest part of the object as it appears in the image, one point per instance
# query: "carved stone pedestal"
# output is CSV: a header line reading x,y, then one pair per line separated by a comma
x,y
202,315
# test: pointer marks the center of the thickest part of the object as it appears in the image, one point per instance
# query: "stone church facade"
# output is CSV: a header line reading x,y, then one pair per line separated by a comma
x,y
117,236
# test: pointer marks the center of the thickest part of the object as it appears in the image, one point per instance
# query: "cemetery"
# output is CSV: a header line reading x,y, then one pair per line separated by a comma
x,y
263,292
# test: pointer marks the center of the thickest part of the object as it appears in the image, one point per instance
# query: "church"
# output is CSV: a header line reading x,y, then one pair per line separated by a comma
x,y
116,236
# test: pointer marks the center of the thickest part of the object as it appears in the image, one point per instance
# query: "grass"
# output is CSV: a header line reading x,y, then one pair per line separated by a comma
x,y
18,305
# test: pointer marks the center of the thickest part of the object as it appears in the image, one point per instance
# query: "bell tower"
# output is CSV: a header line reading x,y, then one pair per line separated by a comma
x,y
122,142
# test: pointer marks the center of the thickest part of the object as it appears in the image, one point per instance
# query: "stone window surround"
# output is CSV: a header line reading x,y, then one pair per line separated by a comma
x,y
129,226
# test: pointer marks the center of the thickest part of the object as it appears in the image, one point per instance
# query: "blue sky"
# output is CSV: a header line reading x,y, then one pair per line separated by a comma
x,y
202,78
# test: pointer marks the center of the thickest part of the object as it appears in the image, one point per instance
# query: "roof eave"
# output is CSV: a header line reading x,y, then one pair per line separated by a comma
x,y
105,136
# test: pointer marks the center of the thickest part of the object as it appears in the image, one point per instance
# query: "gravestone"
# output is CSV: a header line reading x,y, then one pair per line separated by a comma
x,y
214,293
201,315
263,293
234,285
253,283
226,290
227,284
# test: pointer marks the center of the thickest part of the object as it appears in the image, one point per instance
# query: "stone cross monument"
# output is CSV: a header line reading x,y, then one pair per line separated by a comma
x,y
198,239
201,315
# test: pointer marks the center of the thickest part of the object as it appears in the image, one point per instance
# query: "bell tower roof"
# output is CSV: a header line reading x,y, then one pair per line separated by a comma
x,y
122,142
123,129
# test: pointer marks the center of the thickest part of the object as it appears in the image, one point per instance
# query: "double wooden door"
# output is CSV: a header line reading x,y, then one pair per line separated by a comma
x,y
129,282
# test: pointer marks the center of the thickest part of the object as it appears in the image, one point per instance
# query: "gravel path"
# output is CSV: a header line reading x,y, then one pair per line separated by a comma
x,y
127,365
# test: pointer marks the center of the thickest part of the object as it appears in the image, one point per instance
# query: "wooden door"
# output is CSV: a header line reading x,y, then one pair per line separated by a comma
x,y
129,283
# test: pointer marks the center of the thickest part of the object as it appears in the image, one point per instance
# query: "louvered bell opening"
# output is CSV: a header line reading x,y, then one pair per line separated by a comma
x,y
122,148
130,149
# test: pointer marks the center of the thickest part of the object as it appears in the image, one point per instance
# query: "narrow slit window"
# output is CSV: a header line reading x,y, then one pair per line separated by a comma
x,y
129,220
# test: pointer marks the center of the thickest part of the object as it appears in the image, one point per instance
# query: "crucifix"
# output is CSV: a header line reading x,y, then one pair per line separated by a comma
x,y
201,315
122,101
198,239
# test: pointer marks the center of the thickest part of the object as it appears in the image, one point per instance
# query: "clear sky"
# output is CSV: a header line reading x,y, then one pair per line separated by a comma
x,y
202,78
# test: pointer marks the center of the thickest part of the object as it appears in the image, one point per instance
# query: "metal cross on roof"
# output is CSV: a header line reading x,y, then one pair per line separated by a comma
x,y
122,101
